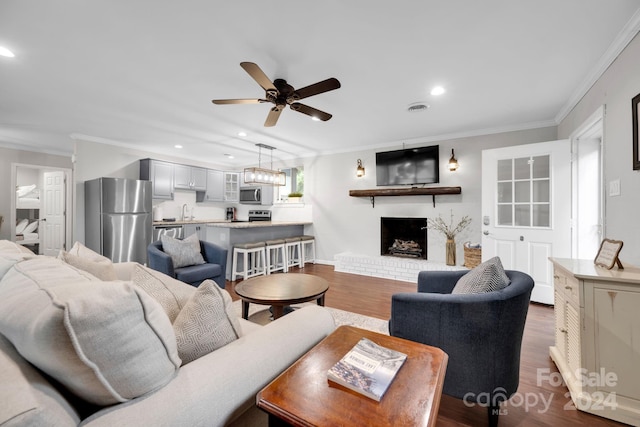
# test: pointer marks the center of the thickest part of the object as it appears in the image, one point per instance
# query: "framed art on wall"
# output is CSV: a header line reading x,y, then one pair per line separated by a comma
x,y
636,123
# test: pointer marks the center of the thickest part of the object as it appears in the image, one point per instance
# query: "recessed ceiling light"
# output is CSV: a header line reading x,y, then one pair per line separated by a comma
x,y
178,146
242,134
228,156
6,52
438,90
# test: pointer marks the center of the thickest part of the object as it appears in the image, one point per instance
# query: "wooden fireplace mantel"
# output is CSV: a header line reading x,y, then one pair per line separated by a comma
x,y
414,191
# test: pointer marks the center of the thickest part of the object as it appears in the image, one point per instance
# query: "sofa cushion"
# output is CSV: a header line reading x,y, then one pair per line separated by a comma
x,y
11,253
206,323
172,294
198,273
486,277
107,342
90,261
182,252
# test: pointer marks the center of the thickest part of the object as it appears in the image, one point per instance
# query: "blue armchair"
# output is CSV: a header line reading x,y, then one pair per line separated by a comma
x,y
481,333
215,266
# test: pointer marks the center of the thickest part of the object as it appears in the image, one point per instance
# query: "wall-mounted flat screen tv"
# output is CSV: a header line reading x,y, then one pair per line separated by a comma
x,y
408,166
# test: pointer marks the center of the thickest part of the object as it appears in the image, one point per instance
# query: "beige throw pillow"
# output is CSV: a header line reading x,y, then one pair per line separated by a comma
x,y
182,252
206,323
105,342
172,294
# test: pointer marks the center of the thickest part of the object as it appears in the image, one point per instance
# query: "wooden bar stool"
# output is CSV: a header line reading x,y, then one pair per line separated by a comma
x,y
292,248
307,246
276,256
253,260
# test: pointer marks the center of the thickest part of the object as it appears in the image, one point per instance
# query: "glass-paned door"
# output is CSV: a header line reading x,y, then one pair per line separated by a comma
x,y
523,197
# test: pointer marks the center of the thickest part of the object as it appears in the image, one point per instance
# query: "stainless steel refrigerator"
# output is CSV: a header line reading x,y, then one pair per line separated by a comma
x,y
118,218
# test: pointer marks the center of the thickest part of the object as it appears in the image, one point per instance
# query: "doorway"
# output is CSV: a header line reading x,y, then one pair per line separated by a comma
x,y
40,210
587,207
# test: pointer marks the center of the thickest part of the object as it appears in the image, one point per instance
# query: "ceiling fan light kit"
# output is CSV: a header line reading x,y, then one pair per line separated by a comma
x,y
281,94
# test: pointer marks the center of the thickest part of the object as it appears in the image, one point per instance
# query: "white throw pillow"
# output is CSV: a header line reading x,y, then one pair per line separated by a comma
x,y
22,224
182,252
102,270
105,342
206,323
78,249
31,227
486,277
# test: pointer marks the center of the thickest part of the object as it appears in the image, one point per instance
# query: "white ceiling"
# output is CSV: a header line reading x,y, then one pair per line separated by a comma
x,y
143,73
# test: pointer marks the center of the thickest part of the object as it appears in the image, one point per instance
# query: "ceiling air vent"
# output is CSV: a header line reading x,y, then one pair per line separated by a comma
x,y
417,106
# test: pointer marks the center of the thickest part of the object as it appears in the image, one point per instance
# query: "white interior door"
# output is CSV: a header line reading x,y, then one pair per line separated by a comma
x,y
526,209
52,222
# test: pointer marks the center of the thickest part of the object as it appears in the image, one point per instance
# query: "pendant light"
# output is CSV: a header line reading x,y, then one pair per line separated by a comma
x,y
264,176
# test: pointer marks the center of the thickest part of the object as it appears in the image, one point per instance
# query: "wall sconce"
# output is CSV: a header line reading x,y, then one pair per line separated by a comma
x,y
453,163
360,169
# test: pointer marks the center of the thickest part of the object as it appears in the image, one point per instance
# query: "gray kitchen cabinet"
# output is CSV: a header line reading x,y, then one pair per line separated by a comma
x,y
199,229
161,176
215,186
189,178
231,186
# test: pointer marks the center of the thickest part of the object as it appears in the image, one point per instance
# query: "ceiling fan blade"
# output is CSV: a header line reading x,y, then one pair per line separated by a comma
x,y
316,88
273,116
238,101
259,76
310,111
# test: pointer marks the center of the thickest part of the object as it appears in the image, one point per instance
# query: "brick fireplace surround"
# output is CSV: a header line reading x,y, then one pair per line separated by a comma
x,y
387,267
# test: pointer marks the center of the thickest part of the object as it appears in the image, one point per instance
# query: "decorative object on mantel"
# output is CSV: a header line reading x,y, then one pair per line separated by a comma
x,y
608,253
360,169
635,120
413,191
450,231
453,162
264,176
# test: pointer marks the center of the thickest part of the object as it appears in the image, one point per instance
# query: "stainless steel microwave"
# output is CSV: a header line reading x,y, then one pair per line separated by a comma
x,y
256,195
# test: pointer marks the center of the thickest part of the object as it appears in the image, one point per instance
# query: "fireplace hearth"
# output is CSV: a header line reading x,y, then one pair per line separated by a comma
x,y
403,237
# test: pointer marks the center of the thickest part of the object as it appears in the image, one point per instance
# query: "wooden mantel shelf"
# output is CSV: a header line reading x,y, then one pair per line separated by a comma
x,y
414,191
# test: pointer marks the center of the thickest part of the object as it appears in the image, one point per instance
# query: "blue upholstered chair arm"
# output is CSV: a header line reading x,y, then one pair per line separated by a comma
x,y
439,282
215,254
160,261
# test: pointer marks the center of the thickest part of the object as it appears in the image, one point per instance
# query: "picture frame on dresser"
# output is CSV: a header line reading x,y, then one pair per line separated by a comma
x,y
608,253
636,131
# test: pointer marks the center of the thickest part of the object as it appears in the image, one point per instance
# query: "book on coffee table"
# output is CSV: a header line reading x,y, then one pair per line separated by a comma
x,y
367,368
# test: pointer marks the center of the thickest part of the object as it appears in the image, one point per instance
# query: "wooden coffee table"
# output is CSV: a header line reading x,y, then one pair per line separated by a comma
x,y
302,395
281,290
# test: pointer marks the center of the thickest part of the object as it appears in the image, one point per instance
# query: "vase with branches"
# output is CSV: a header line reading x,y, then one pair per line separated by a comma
x,y
450,231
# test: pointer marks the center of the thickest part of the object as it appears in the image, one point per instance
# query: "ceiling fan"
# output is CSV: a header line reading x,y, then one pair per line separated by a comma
x,y
281,94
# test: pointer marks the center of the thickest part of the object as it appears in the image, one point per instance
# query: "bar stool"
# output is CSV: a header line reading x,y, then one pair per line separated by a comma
x,y
292,248
253,260
307,242
276,256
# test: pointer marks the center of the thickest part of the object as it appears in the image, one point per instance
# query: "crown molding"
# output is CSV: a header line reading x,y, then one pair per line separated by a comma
x,y
624,37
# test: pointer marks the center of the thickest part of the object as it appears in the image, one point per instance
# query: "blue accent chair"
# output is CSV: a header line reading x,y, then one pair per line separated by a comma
x,y
481,333
215,266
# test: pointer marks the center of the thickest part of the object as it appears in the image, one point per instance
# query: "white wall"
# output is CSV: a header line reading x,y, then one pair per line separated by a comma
x,y
349,224
615,89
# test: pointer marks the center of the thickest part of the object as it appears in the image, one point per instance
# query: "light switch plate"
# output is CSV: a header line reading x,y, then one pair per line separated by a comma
x,y
614,187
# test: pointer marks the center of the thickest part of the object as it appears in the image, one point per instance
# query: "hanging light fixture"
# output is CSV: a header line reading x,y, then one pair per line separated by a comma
x,y
360,169
264,176
453,162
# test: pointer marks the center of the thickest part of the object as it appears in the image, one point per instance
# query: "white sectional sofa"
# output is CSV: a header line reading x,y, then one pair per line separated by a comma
x,y
53,332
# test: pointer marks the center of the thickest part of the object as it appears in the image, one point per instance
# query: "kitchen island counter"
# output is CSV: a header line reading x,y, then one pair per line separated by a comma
x,y
228,234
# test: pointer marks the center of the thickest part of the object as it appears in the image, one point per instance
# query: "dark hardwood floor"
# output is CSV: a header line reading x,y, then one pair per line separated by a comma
x,y
538,402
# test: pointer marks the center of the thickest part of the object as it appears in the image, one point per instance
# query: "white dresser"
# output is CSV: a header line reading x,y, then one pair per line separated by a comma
x,y
597,337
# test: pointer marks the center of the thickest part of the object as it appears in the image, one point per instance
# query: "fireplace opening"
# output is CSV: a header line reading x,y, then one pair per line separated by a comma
x,y
403,237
